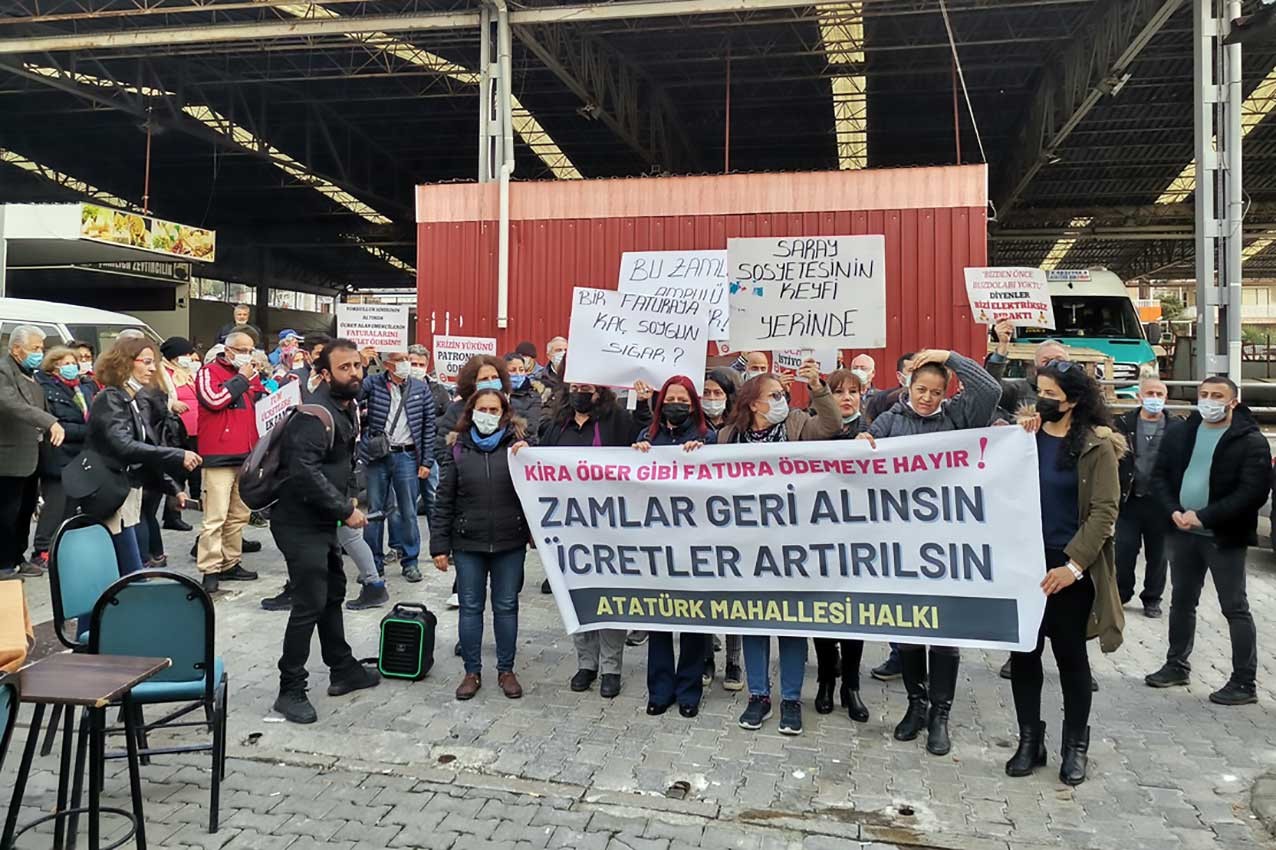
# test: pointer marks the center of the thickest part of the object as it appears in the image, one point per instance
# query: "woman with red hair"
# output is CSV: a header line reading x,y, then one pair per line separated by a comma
x,y
677,420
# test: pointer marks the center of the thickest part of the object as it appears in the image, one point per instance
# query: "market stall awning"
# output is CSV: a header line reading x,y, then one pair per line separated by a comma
x,y
75,234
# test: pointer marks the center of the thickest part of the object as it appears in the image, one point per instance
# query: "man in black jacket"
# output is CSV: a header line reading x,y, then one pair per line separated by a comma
x,y
318,468
1143,523
1213,475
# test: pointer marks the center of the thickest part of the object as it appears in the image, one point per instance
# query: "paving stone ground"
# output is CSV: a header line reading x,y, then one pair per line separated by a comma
x,y
406,765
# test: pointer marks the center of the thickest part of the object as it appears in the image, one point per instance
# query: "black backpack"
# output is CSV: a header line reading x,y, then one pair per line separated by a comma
x,y
261,475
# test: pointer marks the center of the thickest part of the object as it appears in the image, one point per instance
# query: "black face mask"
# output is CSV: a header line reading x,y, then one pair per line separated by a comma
x,y
344,392
676,414
1049,410
582,402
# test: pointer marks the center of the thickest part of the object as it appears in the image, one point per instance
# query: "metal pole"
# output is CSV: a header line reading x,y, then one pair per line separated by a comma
x,y
146,180
4,253
485,95
1203,24
1235,198
726,144
956,115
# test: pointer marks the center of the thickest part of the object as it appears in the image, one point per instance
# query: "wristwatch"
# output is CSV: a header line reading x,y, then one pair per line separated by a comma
x,y
1076,571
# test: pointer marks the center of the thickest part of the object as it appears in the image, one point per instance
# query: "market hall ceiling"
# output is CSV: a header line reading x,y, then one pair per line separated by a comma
x,y
302,127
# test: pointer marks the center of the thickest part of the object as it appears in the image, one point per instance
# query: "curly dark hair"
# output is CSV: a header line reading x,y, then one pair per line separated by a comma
x,y
1090,409
467,378
560,404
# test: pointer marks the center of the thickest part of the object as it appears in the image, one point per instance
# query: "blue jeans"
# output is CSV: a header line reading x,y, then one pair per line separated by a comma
x,y
473,572
757,665
665,682
127,554
397,471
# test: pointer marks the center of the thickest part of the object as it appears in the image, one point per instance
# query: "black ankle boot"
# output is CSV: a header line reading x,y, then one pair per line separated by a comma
x,y
1076,746
943,685
824,697
855,707
1032,750
913,668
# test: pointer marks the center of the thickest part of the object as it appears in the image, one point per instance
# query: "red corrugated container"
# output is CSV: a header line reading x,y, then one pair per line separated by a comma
x,y
572,233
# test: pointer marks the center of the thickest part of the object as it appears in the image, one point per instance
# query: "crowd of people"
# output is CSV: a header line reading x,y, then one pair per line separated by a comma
x,y
133,434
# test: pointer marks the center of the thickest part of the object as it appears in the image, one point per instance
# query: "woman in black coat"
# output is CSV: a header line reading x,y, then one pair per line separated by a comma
x,y
68,397
479,522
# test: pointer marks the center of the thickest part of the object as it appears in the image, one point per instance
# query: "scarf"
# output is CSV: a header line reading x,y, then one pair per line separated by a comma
x,y
488,443
777,433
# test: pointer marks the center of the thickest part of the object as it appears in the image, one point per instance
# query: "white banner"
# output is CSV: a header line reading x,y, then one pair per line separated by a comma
x,y
930,539
618,338
791,360
807,292
1021,295
452,352
272,408
689,275
384,326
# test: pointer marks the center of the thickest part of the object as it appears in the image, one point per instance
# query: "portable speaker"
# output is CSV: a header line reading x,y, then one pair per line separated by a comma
x,y
407,642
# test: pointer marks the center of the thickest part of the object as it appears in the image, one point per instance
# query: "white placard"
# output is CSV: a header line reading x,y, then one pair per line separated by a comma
x,y
453,352
934,539
384,326
618,338
273,407
1021,295
807,292
690,275
790,360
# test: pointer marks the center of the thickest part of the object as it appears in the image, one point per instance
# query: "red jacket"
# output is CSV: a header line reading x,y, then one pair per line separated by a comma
x,y
227,413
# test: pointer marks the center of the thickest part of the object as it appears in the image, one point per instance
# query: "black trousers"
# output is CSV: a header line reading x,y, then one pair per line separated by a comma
x,y
318,591
1194,555
18,498
827,651
149,540
1141,524
1067,615
52,513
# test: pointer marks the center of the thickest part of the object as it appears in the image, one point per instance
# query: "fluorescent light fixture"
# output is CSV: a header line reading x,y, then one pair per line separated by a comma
x,y
1060,249
842,32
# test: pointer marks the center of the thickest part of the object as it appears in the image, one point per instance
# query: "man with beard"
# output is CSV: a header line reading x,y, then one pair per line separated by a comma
x,y
318,460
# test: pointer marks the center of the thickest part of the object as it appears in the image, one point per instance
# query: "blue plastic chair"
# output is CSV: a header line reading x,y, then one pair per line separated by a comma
x,y
8,713
158,613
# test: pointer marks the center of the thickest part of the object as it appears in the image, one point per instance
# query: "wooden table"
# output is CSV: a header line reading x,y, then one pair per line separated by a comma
x,y
16,634
90,682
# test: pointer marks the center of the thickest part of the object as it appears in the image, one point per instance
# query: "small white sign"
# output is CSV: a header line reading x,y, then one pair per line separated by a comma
x,y
1018,295
618,338
271,409
689,275
383,326
790,360
453,352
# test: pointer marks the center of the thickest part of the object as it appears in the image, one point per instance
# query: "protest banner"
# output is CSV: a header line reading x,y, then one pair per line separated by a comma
x,y
618,338
790,360
272,408
1020,295
452,352
807,292
383,326
928,539
689,275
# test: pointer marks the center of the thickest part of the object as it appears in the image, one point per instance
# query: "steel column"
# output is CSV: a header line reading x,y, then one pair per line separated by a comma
x,y
1233,234
1204,94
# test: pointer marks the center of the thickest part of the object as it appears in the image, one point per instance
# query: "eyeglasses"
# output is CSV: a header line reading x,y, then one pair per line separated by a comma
x,y
1062,366
145,361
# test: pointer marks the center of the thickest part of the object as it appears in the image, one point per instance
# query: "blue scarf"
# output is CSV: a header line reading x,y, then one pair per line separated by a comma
x,y
488,443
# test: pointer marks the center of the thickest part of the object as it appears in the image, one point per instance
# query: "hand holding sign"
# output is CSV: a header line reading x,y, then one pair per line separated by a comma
x,y
810,372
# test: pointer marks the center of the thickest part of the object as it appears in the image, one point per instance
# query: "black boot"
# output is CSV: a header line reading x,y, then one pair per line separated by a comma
x,y
943,684
854,706
913,669
824,697
1032,750
1076,745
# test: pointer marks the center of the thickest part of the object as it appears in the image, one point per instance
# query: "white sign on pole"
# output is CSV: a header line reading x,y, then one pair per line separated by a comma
x,y
384,326
689,275
452,352
790,360
934,539
1020,295
273,407
807,292
618,338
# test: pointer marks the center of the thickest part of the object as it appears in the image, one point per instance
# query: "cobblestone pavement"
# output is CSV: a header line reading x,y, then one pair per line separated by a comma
x,y
405,765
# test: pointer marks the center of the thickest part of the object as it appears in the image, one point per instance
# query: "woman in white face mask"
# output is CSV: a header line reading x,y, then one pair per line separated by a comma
x,y
478,520
762,415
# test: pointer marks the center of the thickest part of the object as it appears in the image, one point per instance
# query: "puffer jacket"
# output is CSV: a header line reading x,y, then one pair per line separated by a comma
x,y
476,508
418,412
974,407
119,433
527,404
59,400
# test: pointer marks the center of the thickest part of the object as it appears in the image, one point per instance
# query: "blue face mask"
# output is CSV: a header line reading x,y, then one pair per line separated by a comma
x,y
517,381
33,360
494,384
70,372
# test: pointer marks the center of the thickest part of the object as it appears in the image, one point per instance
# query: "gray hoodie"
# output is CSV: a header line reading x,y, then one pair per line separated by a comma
x,y
973,407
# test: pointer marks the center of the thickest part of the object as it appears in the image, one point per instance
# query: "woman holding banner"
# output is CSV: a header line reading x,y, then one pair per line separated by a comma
x,y
847,391
762,415
924,410
719,392
1077,457
677,420
587,416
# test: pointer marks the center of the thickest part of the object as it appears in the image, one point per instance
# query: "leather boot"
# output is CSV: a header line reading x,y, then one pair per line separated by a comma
x,y
1032,750
913,669
943,684
824,696
855,707
1076,746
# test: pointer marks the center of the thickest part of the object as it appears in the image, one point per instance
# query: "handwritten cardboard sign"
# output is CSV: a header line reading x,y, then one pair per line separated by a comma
x,y
807,292
689,275
618,338
271,409
1020,295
